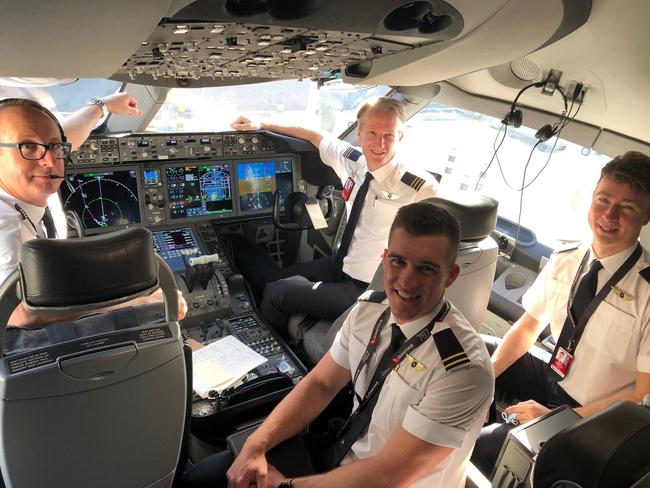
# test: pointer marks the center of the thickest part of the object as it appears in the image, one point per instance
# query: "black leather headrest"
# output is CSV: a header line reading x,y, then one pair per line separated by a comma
x,y
476,214
106,267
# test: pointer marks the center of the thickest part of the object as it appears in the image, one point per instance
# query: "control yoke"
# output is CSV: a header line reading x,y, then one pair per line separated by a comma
x,y
295,207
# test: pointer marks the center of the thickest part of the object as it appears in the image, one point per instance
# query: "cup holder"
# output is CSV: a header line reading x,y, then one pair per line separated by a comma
x,y
515,280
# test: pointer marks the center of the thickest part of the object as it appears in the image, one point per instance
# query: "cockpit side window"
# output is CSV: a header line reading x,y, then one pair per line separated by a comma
x,y
458,144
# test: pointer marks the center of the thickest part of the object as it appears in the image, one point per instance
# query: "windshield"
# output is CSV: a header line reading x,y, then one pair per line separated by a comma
x,y
459,144
288,102
62,100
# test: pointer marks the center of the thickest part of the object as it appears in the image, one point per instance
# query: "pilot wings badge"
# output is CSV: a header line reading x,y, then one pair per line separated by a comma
x,y
622,295
414,364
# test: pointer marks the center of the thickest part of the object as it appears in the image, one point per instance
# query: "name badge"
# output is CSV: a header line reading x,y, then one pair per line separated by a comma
x,y
347,189
561,362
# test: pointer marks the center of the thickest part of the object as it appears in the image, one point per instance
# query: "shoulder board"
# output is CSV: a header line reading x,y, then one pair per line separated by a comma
x,y
413,181
352,154
451,352
645,274
567,247
372,296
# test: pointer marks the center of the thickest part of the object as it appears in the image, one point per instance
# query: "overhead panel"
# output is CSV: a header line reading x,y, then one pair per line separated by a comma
x,y
224,42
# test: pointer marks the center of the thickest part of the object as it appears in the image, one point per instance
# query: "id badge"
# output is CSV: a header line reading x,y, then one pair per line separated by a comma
x,y
347,189
561,361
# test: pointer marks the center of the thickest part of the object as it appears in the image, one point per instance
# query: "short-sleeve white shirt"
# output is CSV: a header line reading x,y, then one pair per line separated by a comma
x,y
616,341
386,194
445,408
14,230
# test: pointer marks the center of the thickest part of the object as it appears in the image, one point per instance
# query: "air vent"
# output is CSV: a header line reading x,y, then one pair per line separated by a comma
x,y
526,237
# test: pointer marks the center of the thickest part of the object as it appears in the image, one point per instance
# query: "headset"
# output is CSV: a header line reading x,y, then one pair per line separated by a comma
x,y
514,117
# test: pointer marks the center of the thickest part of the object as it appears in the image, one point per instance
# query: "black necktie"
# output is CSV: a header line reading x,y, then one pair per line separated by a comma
x,y
586,290
353,218
48,223
358,421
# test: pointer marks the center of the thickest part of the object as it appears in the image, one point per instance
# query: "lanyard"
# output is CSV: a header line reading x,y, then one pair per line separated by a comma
x,y
580,323
25,217
384,368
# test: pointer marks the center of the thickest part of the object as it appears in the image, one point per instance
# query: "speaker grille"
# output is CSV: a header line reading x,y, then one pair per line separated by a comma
x,y
525,69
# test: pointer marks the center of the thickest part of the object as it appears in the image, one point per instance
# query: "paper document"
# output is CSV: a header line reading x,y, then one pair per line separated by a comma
x,y
221,364
315,214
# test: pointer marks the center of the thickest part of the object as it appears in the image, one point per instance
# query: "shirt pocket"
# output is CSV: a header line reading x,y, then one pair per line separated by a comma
x,y
381,216
609,331
401,396
557,298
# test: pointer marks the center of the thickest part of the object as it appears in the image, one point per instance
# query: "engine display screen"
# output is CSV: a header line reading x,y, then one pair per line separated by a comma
x,y
199,190
257,180
102,199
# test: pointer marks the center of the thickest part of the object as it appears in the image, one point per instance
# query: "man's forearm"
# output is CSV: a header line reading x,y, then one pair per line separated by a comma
x,y
78,125
298,409
292,131
517,341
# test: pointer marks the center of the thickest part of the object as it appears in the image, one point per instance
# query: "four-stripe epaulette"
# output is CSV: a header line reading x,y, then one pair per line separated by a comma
x,y
413,181
373,296
352,154
451,352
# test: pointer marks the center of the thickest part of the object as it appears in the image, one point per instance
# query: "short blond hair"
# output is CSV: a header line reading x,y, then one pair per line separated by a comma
x,y
383,104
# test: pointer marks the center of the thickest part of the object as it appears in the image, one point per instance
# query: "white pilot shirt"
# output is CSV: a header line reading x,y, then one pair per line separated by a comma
x,y
616,341
386,194
14,230
442,407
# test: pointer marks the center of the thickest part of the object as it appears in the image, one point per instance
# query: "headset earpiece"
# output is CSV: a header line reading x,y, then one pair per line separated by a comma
x,y
545,133
513,118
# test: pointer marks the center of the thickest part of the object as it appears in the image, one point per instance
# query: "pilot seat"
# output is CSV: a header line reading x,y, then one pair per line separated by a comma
x,y
104,410
470,293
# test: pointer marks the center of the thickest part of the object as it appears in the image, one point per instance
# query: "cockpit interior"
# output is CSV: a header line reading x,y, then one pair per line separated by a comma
x,y
574,73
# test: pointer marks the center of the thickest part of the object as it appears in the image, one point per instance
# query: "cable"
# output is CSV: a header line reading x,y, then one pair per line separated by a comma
x,y
494,154
521,196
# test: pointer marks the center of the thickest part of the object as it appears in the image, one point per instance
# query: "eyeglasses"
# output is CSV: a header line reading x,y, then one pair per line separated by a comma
x,y
34,151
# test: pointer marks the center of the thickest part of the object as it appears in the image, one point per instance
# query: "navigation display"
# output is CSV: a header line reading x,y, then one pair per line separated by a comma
x,y
199,190
257,180
169,244
102,199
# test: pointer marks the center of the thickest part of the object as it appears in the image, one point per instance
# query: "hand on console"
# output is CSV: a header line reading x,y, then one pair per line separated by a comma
x,y
527,411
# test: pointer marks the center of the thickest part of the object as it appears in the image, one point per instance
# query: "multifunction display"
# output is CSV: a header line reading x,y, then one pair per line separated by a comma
x,y
103,199
170,243
258,180
199,190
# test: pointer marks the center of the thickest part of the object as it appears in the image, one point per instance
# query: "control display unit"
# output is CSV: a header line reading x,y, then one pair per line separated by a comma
x,y
103,198
199,190
171,242
257,180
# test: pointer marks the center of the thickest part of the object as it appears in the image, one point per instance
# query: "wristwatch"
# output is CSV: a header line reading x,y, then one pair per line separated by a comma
x,y
286,483
100,104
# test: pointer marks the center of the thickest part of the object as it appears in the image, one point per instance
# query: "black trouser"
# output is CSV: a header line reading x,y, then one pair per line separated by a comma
x,y
317,288
528,378
292,458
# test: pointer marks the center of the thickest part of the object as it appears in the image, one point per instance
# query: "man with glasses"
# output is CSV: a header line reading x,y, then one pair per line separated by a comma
x,y
33,150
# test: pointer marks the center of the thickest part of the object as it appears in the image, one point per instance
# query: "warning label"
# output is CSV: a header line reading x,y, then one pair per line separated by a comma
x,y
31,360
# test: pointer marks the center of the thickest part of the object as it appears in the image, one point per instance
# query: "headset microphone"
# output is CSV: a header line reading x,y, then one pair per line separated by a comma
x,y
56,177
